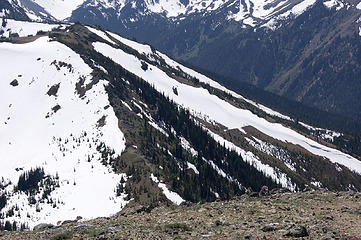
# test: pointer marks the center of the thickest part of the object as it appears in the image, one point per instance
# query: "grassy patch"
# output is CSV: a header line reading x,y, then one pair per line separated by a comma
x,y
178,226
63,236
356,211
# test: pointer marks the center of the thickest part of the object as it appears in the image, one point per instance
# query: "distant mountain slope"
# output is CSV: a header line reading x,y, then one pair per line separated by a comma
x,y
11,27
10,9
24,10
304,50
92,121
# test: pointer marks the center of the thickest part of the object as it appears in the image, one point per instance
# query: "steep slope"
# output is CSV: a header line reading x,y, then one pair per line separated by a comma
x,y
58,9
47,125
307,51
88,112
24,10
304,50
11,9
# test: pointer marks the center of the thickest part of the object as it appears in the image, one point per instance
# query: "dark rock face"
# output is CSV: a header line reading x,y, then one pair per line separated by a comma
x,y
53,90
268,228
14,83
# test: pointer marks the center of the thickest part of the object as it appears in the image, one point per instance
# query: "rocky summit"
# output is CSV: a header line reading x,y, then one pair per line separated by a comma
x,y
277,215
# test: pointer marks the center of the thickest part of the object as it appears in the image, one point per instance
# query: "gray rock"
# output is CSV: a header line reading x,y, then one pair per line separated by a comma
x,y
133,210
218,223
250,191
270,227
297,231
68,221
43,226
187,204
328,217
264,191
307,189
279,190
344,209
330,236
84,226
250,237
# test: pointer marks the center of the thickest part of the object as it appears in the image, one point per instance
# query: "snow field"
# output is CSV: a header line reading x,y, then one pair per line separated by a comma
x,y
60,9
25,28
63,142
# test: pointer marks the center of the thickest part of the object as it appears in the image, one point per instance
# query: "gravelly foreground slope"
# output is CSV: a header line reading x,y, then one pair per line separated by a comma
x,y
308,215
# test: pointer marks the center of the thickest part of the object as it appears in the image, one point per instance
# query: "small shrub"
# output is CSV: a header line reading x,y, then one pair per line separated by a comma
x,y
178,226
63,236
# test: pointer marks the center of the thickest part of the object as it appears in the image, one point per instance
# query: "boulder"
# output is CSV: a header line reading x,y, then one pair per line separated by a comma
x,y
133,210
68,222
269,228
297,231
279,190
43,226
264,191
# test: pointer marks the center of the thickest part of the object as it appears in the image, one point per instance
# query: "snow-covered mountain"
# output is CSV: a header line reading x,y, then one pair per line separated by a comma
x,y
10,9
270,44
250,12
92,121
24,10
46,124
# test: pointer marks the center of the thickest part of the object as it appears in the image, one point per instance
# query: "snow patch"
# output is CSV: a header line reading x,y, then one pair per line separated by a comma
x,y
24,29
193,167
253,160
272,150
141,48
172,196
60,9
358,6
153,124
100,34
187,146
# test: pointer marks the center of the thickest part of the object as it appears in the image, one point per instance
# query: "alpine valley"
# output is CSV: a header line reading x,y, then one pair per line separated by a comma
x,y
92,122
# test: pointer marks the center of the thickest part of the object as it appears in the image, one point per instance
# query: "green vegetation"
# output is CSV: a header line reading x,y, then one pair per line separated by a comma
x,y
178,226
63,236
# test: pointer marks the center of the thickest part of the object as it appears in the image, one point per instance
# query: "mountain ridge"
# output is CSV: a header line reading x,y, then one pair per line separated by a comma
x,y
273,58
285,47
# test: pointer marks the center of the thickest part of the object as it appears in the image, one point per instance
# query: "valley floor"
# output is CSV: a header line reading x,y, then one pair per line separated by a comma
x,y
307,215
